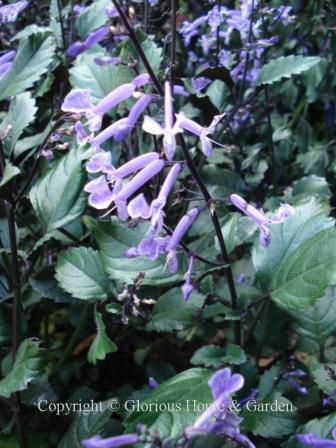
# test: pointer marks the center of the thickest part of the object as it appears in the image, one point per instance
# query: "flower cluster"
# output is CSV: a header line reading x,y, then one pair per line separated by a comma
x,y
208,40
110,191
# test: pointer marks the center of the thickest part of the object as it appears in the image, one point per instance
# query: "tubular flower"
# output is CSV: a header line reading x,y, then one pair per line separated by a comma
x,y
187,287
9,13
135,184
260,218
218,417
169,130
314,441
112,442
121,128
92,39
78,102
159,203
181,229
6,63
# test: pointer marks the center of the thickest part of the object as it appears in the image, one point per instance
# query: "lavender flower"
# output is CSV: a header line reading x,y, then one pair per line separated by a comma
x,y
314,441
92,39
291,378
101,195
135,184
187,287
260,218
100,162
200,131
169,130
6,63
153,384
141,80
78,10
181,229
78,102
9,13
218,417
112,442
159,203
120,129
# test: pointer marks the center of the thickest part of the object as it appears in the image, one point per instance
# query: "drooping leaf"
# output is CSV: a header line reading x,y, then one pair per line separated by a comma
x,y
185,396
171,312
58,197
29,366
304,274
285,67
114,238
81,273
101,344
86,425
32,60
21,112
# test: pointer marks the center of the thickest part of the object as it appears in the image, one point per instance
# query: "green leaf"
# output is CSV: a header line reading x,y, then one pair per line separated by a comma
x,y
214,356
304,274
171,312
113,239
318,321
32,60
93,17
29,366
80,272
308,219
10,172
101,344
86,74
151,50
180,396
324,375
271,422
58,198
86,425
21,112
285,67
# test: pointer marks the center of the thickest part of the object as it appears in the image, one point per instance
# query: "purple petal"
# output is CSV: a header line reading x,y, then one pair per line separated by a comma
x,y
312,440
112,442
100,194
172,261
138,207
9,13
96,36
187,289
115,97
182,227
265,236
206,146
168,105
76,48
138,109
77,101
7,57
135,164
140,179
223,382
101,161
141,80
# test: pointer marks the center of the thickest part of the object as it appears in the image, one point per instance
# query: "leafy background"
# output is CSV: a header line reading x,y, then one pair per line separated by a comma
x,y
80,340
